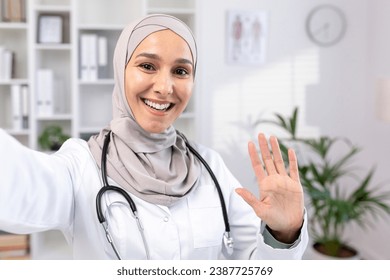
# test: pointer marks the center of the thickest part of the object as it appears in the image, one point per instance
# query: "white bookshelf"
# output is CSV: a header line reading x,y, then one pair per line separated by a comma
x,y
83,106
14,37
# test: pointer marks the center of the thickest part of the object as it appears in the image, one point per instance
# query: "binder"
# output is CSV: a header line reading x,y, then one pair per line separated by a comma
x,y
16,103
2,48
8,58
25,106
102,57
93,56
6,63
84,57
45,82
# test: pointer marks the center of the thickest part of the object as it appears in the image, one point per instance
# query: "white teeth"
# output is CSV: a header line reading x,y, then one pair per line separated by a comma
x,y
161,107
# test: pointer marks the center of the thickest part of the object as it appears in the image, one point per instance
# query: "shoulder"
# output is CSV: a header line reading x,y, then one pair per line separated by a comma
x,y
217,165
74,147
77,153
81,165
74,144
209,154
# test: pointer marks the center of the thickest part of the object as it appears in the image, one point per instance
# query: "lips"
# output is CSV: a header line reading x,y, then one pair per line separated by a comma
x,y
162,107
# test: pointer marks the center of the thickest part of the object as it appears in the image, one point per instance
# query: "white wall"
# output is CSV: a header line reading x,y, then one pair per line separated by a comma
x,y
334,87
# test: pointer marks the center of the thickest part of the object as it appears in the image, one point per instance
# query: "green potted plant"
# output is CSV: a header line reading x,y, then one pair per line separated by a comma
x,y
337,193
52,137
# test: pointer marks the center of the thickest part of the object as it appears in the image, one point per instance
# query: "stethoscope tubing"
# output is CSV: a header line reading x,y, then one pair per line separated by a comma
x,y
215,180
106,187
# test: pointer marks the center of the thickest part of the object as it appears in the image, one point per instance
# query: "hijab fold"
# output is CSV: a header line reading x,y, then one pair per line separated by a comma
x,y
156,167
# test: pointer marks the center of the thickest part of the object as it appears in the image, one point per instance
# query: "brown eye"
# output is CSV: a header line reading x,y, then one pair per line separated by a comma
x,y
181,72
147,66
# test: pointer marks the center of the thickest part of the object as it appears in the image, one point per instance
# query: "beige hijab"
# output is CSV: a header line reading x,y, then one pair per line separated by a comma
x,y
157,168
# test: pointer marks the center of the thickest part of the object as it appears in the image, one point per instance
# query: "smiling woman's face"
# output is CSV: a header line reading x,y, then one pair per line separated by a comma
x,y
158,80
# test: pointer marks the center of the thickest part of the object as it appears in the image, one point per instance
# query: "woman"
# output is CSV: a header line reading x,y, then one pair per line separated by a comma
x,y
179,212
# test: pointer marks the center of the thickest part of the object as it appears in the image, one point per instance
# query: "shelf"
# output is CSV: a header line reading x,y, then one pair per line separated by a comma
x,y
172,11
171,4
53,8
59,117
90,130
53,46
108,27
13,25
97,82
24,132
14,82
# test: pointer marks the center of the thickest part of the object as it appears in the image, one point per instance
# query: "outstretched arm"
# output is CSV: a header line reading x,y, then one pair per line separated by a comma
x,y
36,190
280,204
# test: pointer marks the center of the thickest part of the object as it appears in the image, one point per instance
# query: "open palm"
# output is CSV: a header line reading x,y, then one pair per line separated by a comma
x,y
280,202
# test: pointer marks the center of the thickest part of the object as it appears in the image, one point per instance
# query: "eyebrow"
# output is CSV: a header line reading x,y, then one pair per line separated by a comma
x,y
157,57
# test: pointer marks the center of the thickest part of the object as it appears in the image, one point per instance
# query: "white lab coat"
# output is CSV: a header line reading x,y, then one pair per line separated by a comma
x,y
43,192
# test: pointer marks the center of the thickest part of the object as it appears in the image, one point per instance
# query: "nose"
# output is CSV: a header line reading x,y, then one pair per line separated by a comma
x,y
163,83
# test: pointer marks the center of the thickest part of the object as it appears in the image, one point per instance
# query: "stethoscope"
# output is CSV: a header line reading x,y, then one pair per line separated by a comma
x,y
227,238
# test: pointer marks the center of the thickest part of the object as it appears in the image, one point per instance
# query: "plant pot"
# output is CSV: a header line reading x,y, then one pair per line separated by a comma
x,y
313,252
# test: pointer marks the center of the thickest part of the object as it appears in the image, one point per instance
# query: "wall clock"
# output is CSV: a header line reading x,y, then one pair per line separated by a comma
x,y
326,25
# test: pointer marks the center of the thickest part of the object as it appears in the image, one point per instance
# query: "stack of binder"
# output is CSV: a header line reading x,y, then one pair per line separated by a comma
x,y
45,92
13,10
93,57
20,107
14,246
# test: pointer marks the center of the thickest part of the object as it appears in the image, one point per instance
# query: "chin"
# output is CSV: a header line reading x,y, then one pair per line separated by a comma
x,y
156,130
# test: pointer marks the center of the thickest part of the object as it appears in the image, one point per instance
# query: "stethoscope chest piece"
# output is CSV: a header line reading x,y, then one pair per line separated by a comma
x,y
228,242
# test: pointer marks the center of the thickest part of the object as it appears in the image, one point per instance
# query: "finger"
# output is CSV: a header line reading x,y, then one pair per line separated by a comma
x,y
256,163
266,154
293,163
278,158
250,199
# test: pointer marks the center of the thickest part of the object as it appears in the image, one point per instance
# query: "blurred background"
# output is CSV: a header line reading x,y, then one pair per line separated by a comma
x,y
329,58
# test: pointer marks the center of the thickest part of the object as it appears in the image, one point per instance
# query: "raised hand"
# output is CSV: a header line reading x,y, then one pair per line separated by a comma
x,y
280,204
